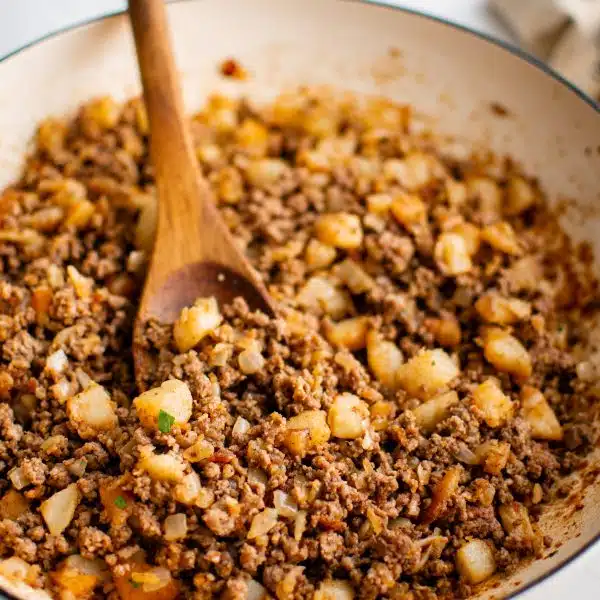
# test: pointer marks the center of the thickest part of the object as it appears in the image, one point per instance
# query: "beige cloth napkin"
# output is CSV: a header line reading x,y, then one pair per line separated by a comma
x,y
565,33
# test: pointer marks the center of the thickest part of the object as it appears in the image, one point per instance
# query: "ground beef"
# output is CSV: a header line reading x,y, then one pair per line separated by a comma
x,y
320,450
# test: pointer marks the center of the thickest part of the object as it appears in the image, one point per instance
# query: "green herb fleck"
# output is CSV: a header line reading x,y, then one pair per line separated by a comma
x,y
120,502
135,584
560,328
165,421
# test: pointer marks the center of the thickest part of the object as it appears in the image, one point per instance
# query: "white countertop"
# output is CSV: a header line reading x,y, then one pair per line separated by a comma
x,y
23,21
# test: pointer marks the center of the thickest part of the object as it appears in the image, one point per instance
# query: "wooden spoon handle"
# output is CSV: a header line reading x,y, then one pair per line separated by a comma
x,y
180,187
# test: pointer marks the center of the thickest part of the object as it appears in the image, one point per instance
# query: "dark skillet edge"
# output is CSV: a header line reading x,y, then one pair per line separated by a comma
x,y
381,4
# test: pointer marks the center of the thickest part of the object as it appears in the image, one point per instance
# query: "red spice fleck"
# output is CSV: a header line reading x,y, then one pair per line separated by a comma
x,y
232,68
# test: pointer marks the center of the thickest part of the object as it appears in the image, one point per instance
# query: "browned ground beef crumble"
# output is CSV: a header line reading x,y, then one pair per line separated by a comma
x,y
367,494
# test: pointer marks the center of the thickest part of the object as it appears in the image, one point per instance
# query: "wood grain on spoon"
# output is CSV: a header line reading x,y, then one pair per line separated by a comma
x,y
194,254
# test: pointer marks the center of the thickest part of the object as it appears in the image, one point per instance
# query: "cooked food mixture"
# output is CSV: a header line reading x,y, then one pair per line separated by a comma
x,y
394,433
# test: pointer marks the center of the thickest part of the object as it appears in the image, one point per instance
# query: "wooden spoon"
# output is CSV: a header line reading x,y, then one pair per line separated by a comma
x,y
194,254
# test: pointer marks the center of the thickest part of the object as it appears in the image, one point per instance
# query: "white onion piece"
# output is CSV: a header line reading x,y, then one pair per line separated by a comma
x,y
175,527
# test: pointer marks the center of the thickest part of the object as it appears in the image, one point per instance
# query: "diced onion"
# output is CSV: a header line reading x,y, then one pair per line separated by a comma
x,y
284,504
262,523
175,527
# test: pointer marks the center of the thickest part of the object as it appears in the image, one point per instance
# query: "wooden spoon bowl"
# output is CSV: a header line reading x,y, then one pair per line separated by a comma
x,y
194,254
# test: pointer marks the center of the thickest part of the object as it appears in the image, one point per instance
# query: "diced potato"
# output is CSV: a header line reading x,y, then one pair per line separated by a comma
x,y
415,171
475,561
540,416
409,210
318,255
306,432
427,373
493,456
13,505
519,196
201,450
506,353
348,417
92,412
173,397
58,510
79,214
350,333
487,192
322,295
379,204
190,492
266,171
501,236
456,192
252,137
446,331
77,576
515,520
353,276
57,362
116,502
83,285
263,522
443,492
255,591
495,407
140,581
451,254
230,185
334,589
494,308
433,411
384,358
381,414
471,234
340,230
104,112
196,322
162,467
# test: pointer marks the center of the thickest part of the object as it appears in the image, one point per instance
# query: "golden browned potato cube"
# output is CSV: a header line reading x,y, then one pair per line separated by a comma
x,y
321,295
252,137
475,561
92,411
58,510
350,333
471,234
196,322
487,192
519,196
145,228
413,172
348,417
506,353
456,192
340,230
353,276
451,254
306,432
384,359
408,209
501,236
83,285
427,373
493,456
379,204
494,308
266,171
495,407
381,414
250,361
433,411
104,112
540,416
13,505
162,467
318,255
334,589
173,397
446,330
